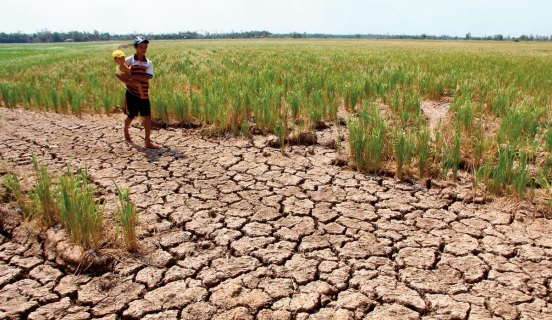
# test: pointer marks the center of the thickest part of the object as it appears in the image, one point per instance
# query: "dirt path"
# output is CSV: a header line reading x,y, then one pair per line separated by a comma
x,y
231,229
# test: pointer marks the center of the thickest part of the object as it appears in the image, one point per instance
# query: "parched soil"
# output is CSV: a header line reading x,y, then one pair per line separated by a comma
x,y
233,229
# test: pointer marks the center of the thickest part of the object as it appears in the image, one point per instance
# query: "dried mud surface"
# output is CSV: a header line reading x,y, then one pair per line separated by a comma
x,y
232,229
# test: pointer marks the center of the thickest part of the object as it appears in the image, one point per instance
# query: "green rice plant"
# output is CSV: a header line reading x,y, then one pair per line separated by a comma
x,y
465,113
404,144
394,101
80,215
497,174
356,92
162,109
8,94
544,175
27,97
76,101
38,99
280,131
315,115
13,187
15,193
504,167
367,138
65,99
107,103
451,155
410,107
423,149
127,218
54,99
520,176
268,111
349,96
502,102
181,107
196,105
520,125
479,141
244,127
44,207
548,139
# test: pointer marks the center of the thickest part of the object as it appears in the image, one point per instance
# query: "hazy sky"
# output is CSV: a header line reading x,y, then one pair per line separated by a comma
x,y
412,17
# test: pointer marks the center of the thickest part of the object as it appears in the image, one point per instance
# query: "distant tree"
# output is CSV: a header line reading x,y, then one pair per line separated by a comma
x,y
499,37
57,37
43,35
468,36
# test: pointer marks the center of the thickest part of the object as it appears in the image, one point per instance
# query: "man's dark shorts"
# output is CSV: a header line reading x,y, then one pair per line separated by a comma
x,y
136,106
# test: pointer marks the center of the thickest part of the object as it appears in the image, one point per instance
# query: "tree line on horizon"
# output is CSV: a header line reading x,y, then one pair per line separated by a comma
x,y
46,36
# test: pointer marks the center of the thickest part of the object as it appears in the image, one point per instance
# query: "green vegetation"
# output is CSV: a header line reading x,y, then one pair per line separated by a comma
x,y
13,186
500,91
69,201
80,215
44,208
367,139
126,214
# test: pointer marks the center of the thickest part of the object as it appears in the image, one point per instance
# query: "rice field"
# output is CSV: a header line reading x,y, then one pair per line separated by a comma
x,y
497,128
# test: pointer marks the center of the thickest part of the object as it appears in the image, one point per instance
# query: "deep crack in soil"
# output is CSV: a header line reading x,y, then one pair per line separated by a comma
x,y
234,229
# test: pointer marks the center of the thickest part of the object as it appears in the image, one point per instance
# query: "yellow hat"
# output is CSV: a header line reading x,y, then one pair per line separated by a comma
x,y
118,53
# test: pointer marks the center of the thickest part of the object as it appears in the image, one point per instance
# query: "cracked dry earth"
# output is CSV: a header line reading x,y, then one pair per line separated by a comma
x,y
232,229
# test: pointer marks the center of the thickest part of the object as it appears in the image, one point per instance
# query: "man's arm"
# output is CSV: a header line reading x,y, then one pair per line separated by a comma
x,y
125,80
141,78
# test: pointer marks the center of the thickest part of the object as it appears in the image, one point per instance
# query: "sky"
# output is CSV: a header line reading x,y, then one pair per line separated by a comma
x,y
393,17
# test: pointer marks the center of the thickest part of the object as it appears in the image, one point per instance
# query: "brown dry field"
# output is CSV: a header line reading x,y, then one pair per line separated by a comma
x,y
230,228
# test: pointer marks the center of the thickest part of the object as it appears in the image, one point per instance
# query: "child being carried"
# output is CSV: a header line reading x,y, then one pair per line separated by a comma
x,y
125,71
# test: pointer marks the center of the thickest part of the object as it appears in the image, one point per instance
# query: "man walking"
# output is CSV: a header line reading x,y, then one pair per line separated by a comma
x,y
141,70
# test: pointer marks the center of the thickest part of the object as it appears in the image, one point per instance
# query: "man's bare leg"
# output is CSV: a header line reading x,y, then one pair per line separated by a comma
x,y
147,127
128,121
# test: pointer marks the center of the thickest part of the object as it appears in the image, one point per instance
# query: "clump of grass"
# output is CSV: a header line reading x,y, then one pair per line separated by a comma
x,y
70,202
126,213
80,214
14,193
548,138
404,151
280,131
520,125
520,178
423,149
42,198
367,138
544,176
9,95
508,173
450,152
